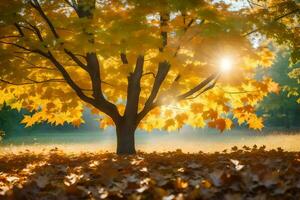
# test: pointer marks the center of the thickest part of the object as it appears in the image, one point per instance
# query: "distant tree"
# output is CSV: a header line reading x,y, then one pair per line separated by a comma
x,y
294,90
282,109
9,119
10,123
140,64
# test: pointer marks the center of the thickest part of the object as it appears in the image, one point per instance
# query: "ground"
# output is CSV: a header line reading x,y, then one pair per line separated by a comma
x,y
246,173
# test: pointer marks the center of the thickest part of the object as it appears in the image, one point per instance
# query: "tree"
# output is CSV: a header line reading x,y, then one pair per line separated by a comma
x,y
9,120
140,64
282,109
294,90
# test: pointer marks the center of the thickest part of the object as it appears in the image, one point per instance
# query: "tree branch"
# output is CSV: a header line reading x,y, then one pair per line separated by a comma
x,y
9,36
46,81
149,73
32,82
124,58
33,65
198,87
162,72
36,31
24,48
92,67
134,89
201,85
274,20
35,4
19,29
38,7
164,18
185,30
75,59
209,87
69,80
146,110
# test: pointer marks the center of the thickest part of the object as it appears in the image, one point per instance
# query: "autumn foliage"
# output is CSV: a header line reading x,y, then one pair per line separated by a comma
x,y
247,173
141,64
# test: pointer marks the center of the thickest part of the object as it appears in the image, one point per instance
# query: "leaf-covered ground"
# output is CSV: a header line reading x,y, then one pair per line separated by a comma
x,y
248,173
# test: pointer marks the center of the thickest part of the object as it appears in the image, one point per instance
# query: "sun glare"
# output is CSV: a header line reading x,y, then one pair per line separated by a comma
x,y
225,64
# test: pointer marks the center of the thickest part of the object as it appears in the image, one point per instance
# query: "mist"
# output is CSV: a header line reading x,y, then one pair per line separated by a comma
x,y
187,140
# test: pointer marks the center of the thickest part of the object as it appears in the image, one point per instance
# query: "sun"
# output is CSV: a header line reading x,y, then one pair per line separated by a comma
x,y
226,64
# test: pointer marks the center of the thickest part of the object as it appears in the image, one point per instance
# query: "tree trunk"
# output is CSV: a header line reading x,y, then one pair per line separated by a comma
x,y
125,138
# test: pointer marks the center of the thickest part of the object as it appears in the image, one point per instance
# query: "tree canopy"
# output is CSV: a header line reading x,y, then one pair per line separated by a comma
x,y
155,64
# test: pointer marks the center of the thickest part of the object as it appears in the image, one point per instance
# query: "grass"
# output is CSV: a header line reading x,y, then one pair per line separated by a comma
x,y
188,140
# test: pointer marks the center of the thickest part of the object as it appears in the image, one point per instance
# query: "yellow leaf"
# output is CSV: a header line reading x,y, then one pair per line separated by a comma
x,y
218,123
255,122
197,108
77,122
169,123
28,121
274,87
